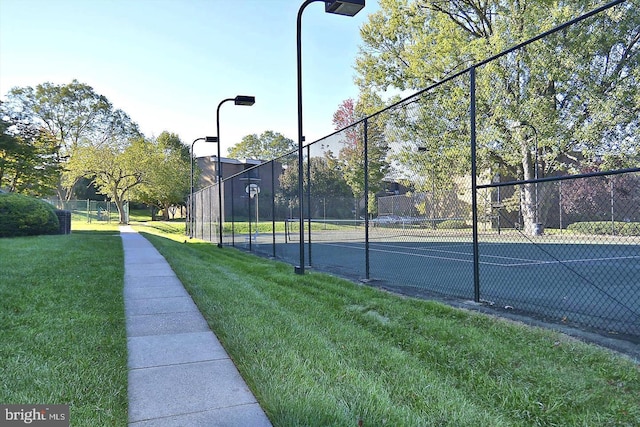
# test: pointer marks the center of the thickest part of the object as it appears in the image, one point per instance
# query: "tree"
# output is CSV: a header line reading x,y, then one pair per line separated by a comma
x,y
268,146
115,170
27,158
330,194
166,183
172,142
351,153
574,91
75,115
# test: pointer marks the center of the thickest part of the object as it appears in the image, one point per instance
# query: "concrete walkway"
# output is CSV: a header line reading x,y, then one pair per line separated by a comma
x,y
179,374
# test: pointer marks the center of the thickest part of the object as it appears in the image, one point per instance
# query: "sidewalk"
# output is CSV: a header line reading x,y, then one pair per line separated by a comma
x,y
179,374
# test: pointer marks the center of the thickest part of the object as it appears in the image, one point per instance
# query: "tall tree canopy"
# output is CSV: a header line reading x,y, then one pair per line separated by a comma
x,y
166,183
267,146
115,171
148,171
27,158
351,151
74,114
577,90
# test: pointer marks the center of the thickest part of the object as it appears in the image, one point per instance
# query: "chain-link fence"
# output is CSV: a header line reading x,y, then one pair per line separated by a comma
x,y
502,184
92,210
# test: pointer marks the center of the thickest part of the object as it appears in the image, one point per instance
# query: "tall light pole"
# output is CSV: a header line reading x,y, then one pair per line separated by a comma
x,y
238,100
191,204
338,7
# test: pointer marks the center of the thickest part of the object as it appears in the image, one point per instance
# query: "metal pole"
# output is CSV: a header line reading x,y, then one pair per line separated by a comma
x,y
249,210
300,268
233,217
560,203
366,202
309,200
613,223
219,170
210,215
191,202
273,207
474,196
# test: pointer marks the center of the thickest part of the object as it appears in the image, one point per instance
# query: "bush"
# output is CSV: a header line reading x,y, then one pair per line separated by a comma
x,y
26,216
452,224
605,227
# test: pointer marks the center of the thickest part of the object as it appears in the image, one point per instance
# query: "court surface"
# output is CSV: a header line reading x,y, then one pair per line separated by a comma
x,y
556,278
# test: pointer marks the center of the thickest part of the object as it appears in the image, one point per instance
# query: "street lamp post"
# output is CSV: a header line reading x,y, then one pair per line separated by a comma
x,y
338,7
238,100
191,204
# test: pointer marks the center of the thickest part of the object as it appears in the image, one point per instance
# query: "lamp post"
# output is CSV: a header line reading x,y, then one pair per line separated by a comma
x,y
238,100
337,7
191,204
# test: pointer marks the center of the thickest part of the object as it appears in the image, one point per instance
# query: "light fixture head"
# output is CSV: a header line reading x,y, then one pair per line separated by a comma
x,y
344,7
244,100
210,139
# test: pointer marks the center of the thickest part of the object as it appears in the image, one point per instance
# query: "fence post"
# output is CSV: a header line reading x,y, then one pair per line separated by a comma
x,y
233,216
273,207
474,190
613,222
309,199
366,201
202,215
249,210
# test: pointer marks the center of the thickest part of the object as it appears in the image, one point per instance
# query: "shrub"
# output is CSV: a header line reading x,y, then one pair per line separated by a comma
x,y
606,227
452,224
26,216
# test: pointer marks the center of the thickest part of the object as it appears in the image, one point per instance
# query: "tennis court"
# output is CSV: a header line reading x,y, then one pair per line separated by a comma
x,y
562,278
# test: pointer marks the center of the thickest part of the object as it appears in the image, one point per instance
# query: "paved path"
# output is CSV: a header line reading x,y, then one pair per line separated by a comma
x,y
179,374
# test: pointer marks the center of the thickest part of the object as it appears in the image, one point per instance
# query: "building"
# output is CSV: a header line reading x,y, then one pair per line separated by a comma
x,y
241,178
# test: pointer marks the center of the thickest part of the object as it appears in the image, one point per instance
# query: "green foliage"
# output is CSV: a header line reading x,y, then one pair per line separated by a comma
x,y
576,90
28,156
617,228
331,195
115,170
167,172
172,142
74,116
268,146
26,216
350,159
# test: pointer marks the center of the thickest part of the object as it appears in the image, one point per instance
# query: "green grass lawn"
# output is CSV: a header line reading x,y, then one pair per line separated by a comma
x,y
318,351
62,334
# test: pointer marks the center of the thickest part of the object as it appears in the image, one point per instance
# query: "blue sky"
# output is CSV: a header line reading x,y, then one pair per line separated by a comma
x,y
168,63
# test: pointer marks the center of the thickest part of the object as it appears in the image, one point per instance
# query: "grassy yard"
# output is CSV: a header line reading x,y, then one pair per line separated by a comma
x,y
62,334
320,351
316,350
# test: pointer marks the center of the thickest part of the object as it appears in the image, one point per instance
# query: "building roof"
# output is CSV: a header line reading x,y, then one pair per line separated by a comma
x,y
238,161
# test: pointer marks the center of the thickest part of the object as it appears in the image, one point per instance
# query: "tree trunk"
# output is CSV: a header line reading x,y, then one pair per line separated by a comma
x,y
119,201
529,200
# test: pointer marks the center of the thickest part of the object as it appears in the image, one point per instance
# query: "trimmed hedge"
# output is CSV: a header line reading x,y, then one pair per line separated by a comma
x,y
605,227
26,216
